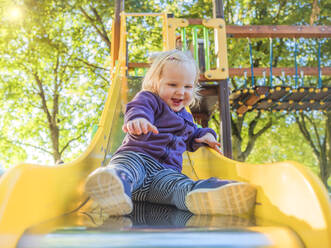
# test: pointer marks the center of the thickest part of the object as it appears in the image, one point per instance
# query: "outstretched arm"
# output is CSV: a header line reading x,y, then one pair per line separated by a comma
x,y
139,115
139,126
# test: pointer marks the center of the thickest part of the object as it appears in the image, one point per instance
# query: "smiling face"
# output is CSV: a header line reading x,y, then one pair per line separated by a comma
x,y
176,85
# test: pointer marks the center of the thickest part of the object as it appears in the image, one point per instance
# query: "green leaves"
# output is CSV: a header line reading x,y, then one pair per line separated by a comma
x,y
62,48
48,87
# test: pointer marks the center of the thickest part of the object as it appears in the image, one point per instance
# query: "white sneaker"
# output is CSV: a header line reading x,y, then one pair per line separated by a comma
x,y
230,199
110,190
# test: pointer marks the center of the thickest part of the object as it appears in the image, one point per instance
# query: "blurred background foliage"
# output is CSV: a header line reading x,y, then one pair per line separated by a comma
x,y
55,72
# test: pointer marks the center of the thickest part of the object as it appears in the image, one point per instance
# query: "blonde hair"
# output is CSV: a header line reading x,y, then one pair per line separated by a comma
x,y
152,78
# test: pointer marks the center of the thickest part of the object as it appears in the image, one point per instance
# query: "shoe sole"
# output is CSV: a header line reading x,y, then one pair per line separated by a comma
x,y
219,221
107,190
231,199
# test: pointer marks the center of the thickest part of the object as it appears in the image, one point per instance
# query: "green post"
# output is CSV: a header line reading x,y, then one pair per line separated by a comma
x,y
206,47
195,44
184,40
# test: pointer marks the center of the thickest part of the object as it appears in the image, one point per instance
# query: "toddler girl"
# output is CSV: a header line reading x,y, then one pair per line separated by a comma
x,y
147,166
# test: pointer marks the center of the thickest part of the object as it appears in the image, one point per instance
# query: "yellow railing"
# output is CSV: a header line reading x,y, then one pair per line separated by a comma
x,y
169,28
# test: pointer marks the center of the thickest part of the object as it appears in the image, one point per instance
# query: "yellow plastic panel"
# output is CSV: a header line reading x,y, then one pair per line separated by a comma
x,y
222,71
172,25
288,193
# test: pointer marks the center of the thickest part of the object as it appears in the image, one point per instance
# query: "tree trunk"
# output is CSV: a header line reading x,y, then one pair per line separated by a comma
x,y
51,117
320,144
315,11
253,135
54,129
324,172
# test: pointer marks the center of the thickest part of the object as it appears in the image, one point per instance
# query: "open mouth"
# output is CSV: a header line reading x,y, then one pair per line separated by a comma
x,y
176,101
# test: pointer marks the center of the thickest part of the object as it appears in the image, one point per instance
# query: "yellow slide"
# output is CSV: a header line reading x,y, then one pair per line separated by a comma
x,y
289,196
31,194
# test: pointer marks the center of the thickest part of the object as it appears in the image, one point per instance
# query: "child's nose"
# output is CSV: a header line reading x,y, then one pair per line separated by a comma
x,y
180,91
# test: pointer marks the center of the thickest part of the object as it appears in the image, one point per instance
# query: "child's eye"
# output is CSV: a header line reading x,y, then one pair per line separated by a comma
x,y
188,86
172,85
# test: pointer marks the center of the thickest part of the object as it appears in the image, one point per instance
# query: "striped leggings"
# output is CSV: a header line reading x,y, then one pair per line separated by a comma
x,y
151,182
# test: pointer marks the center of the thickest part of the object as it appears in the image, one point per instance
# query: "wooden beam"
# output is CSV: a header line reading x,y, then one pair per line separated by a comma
x,y
286,31
277,71
273,31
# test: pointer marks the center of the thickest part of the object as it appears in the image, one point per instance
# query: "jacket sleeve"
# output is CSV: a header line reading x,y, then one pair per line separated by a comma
x,y
192,145
144,105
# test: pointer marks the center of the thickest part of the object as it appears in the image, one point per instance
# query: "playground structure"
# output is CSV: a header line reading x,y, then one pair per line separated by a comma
x,y
284,97
37,200
252,96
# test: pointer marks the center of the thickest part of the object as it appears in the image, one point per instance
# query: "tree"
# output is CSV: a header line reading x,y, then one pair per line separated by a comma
x,y
58,55
246,130
253,134
270,12
55,69
46,80
316,129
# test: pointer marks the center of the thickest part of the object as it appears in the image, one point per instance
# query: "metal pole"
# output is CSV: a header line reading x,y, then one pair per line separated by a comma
x,y
295,62
271,58
115,45
224,96
319,66
218,9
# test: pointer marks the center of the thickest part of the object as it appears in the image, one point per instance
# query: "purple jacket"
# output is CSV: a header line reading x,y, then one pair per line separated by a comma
x,y
176,131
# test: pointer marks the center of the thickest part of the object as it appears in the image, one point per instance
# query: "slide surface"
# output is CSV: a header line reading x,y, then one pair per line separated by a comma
x,y
41,199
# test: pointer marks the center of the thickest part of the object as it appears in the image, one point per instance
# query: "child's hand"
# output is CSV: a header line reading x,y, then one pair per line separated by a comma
x,y
139,126
210,140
